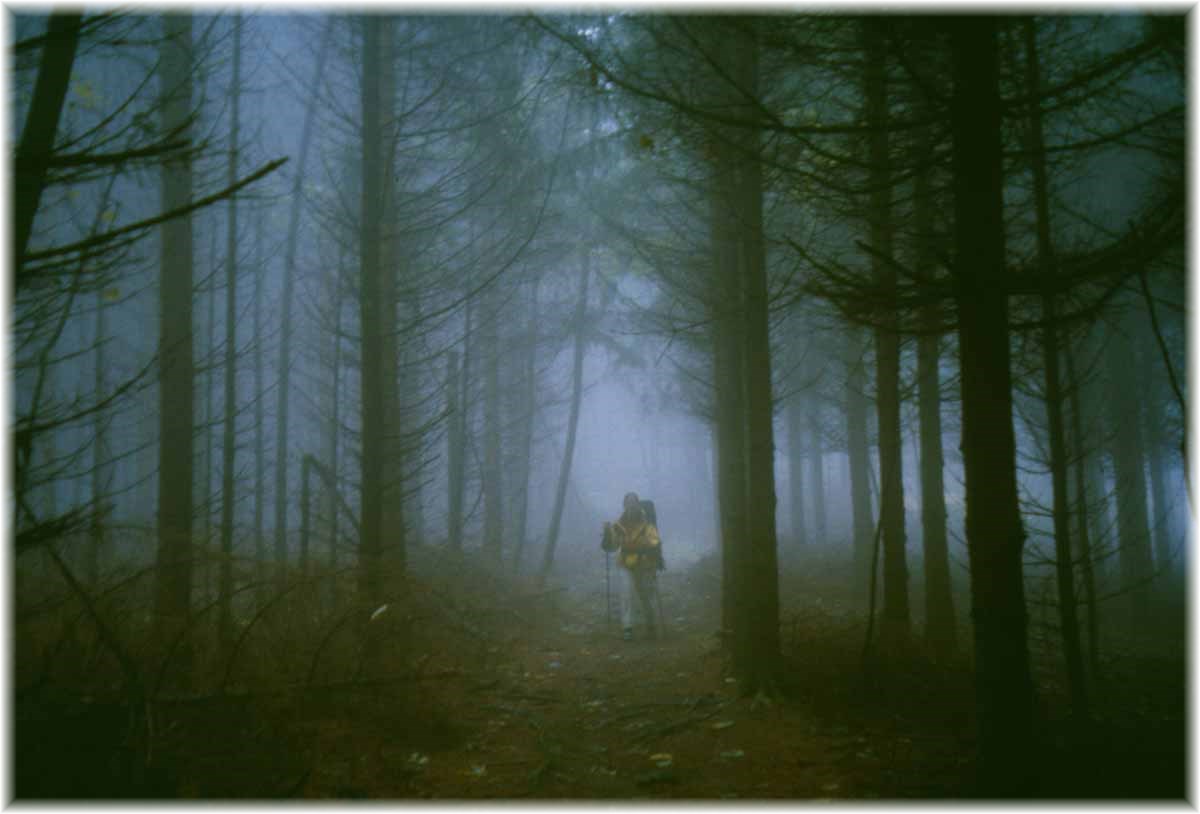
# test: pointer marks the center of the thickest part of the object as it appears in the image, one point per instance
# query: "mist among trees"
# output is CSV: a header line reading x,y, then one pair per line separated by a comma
x,y
337,337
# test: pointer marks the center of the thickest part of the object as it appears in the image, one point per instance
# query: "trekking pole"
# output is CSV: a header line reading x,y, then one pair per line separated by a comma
x,y
662,620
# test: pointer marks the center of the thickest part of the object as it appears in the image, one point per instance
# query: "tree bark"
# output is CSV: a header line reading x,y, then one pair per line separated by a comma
x,y
285,334
225,587
173,580
859,456
1082,492
370,319
455,407
1064,565
333,502
816,469
393,531
102,469
260,426
756,632
41,126
795,423
1135,558
995,536
528,408
493,474
941,627
726,304
564,473
895,621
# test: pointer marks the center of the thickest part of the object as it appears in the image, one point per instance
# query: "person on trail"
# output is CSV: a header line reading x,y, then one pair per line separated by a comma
x,y
639,549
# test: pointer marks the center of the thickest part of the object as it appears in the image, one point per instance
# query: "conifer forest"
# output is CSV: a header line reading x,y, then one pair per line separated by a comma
x,y
340,338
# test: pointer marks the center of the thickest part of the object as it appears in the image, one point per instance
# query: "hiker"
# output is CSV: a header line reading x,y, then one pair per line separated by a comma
x,y
640,552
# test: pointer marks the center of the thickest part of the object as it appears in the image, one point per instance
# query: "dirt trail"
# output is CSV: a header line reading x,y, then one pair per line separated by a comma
x,y
492,688
569,710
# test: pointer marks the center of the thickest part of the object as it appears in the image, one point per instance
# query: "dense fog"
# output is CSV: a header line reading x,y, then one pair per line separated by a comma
x,y
321,308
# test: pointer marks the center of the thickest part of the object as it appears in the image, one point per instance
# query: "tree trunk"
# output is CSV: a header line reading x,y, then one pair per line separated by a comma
x,y
795,422
816,470
1064,565
1153,420
564,474
895,622
995,536
370,319
204,558
225,587
173,579
41,126
1082,492
102,470
726,303
285,335
941,627
1135,558
393,532
859,457
528,408
1086,557
756,629
455,407
333,502
492,475
260,426
460,422
305,526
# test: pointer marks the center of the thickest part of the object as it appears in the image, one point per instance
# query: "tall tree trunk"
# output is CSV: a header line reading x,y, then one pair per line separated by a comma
x,y
207,494
816,469
333,501
370,319
1135,559
455,406
729,396
941,627
940,624
260,426
285,334
1082,492
564,473
225,623
895,622
995,536
41,126
393,542
528,411
305,527
1153,419
460,426
795,424
756,638
1064,564
173,579
859,456
493,474
101,453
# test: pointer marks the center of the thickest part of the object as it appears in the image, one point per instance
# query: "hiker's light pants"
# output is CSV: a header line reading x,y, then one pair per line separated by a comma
x,y
641,583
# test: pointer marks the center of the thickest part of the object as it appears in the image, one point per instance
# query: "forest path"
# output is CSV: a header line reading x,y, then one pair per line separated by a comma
x,y
567,710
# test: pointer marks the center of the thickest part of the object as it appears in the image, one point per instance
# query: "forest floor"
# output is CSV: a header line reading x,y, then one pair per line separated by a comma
x,y
528,694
